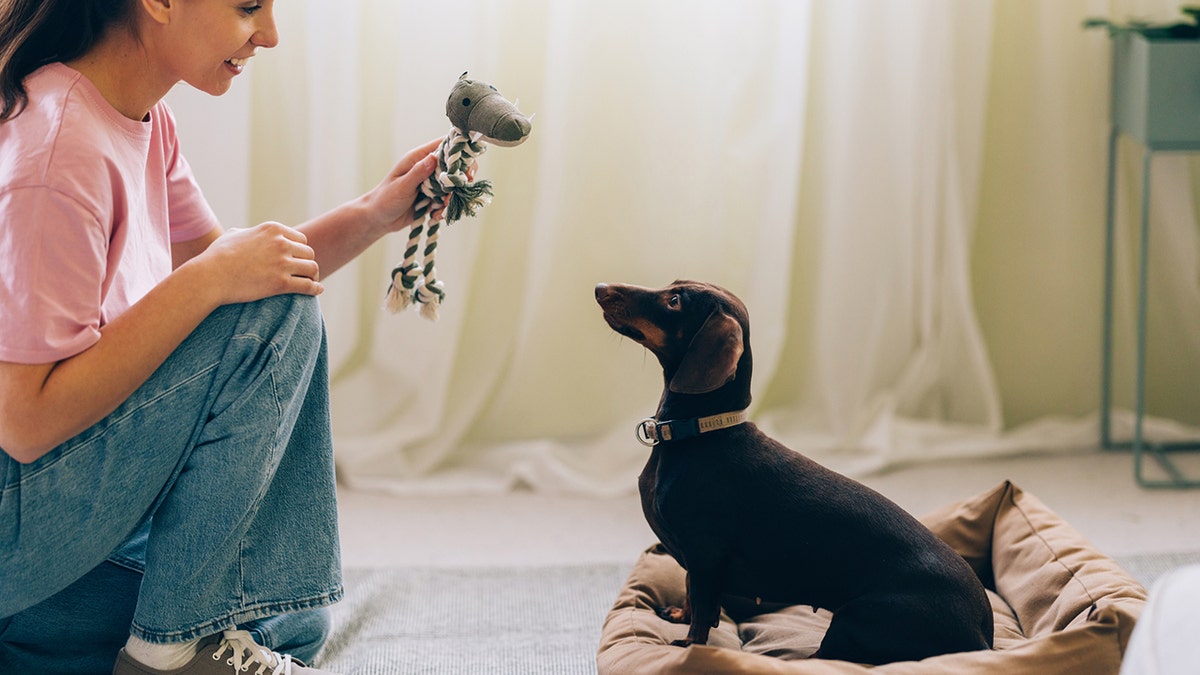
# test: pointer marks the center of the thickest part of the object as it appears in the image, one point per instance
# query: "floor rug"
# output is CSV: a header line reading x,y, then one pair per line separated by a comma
x,y
532,621
492,621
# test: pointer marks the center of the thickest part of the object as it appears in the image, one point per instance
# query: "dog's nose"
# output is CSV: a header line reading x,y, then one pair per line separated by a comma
x,y
601,291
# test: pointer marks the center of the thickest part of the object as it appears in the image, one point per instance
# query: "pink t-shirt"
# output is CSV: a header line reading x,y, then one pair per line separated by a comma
x,y
90,203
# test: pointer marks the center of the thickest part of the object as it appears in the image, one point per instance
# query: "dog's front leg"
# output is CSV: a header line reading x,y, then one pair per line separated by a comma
x,y
704,605
678,614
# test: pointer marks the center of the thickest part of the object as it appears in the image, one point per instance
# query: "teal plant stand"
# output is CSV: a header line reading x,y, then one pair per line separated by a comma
x,y
1156,101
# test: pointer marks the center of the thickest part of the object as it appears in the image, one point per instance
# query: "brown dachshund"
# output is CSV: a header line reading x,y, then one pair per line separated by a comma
x,y
749,518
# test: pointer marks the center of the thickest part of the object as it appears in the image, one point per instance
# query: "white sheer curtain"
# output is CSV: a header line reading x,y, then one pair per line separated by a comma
x,y
908,196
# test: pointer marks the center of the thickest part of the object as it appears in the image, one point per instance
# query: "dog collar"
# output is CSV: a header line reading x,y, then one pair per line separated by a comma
x,y
650,432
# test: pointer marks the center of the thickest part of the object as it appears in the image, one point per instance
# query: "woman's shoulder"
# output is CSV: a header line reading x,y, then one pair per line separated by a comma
x,y
60,140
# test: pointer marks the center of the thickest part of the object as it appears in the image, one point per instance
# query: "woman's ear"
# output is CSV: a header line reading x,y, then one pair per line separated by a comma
x,y
158,10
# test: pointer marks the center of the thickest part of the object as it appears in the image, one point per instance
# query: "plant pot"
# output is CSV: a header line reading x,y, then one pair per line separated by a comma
x,y
1156,90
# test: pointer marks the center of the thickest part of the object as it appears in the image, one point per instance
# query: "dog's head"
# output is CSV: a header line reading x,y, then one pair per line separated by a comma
x,y
699,332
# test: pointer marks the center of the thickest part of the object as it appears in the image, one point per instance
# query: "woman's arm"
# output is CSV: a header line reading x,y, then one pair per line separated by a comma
x,y
339,236
43,405
342,234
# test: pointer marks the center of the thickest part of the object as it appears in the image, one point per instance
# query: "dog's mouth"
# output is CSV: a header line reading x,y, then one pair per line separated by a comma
x,y
624,328
631,333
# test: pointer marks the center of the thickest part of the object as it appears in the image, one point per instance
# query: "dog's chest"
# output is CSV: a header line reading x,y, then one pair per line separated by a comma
x,y
649,491
714,496
677,493
659,486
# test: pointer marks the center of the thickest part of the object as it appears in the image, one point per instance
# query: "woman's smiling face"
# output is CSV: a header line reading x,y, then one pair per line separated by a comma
x,y
209,41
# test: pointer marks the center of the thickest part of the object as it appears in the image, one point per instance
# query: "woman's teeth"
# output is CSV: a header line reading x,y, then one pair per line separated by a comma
x,y
237,63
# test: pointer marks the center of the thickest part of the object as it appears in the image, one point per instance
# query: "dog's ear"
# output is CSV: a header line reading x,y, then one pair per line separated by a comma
x,y
712,358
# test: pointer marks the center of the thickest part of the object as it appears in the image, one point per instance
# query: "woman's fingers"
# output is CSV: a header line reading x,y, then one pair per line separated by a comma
x,y
268,259
305,267
414,156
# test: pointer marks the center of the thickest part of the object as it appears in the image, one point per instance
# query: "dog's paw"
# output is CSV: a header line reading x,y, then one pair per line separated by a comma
x,y
685,642
673,614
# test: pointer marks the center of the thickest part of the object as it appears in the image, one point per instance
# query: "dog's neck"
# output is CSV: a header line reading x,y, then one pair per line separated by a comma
x,y
675,406
733,396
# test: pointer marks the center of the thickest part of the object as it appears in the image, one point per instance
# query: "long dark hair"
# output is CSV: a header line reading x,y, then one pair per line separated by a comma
x,y
36,32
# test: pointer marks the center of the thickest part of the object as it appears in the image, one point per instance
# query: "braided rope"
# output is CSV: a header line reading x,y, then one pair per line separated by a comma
x,y
419,283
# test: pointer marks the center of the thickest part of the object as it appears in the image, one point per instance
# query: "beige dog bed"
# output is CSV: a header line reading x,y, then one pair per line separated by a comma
x,y
1060,606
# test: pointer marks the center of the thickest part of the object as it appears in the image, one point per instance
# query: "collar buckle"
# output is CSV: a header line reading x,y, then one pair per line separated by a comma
x,y
646,432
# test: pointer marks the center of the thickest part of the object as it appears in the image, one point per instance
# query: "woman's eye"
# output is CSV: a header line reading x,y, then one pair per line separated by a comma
x,y
251,10
673,303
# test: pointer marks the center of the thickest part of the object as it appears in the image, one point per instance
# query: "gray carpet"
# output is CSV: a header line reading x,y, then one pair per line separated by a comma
x,y
1148,567
524,621
464,621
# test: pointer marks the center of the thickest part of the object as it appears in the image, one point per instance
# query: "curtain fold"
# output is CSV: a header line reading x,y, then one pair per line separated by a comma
x,y
889,192
908,197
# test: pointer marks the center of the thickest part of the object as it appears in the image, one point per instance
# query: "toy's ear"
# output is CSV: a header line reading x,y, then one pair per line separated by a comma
x,y
712,358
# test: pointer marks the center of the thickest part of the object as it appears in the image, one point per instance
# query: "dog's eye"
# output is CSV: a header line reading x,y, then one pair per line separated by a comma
x,y
673,303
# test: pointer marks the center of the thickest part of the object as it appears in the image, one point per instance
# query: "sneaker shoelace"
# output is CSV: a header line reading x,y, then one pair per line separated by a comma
x,y
245,652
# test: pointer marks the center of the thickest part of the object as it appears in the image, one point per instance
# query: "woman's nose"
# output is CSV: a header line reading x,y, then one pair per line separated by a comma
x,y
267,35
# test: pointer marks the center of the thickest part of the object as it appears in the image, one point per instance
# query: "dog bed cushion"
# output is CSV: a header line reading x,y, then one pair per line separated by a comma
x,y
1060,606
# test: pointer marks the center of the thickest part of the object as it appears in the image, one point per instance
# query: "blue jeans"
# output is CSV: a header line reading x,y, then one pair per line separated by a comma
x,y
204,502
79,630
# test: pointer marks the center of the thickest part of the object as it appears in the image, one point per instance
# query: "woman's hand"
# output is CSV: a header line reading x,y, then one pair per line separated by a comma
x,y
343,233
244,265
390,203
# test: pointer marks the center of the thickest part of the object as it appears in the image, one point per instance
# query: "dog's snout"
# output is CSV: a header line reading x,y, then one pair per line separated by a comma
x,y
607,294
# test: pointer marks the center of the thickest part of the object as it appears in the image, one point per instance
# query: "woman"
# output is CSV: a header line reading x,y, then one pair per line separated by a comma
x,y
166,473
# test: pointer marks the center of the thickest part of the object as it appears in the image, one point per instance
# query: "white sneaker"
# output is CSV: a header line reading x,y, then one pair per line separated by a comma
x,y
233,651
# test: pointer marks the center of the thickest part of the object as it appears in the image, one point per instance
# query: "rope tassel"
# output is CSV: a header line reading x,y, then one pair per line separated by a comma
x,y
480,114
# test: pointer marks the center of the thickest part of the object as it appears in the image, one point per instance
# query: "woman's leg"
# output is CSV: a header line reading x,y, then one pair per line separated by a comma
x,y
301,634
79,630
271,545
228,447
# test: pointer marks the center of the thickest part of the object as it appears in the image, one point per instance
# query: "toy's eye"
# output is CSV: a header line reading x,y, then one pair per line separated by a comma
x,y
466,101
493,88
673,303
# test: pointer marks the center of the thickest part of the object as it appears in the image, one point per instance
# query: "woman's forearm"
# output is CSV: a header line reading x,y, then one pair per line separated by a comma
x,y
340,235
41,406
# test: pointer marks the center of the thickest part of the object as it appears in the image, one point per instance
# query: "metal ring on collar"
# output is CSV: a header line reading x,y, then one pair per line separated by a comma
x,y
647,432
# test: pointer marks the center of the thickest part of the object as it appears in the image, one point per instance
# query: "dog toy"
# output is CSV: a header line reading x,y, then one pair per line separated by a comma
x,y
479,115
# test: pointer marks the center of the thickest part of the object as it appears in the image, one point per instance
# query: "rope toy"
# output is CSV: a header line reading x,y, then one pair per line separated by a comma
x,y
480,115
